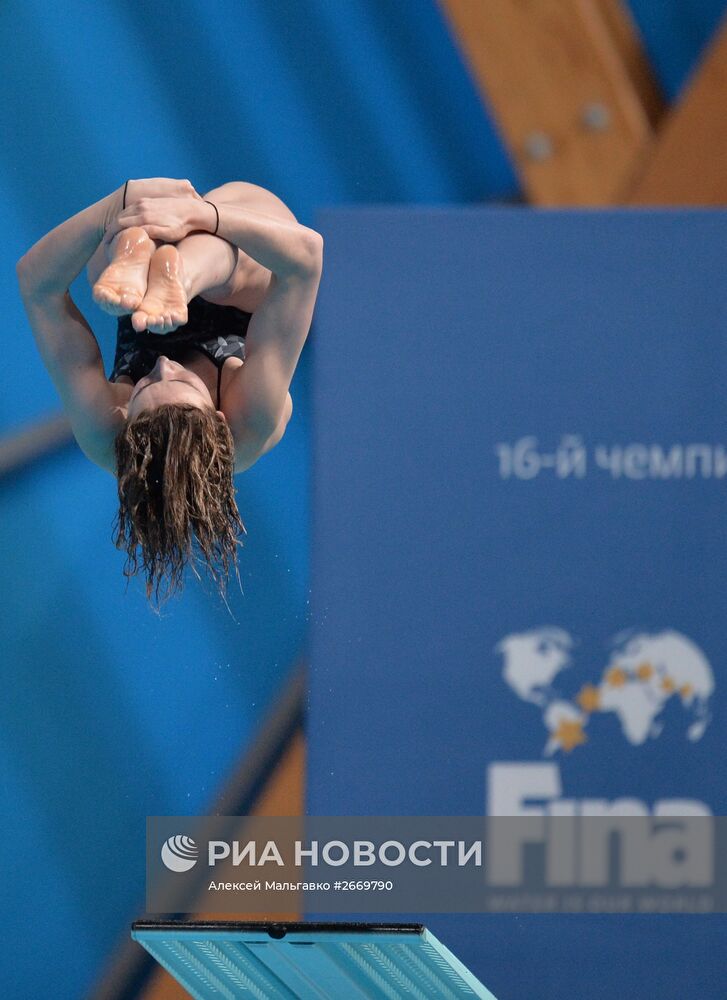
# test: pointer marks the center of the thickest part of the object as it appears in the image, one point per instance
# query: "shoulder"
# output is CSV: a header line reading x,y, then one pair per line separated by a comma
x,y
96,436
252,446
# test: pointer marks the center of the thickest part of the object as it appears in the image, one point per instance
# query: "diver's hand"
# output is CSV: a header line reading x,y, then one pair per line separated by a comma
x,y
165,219
139,190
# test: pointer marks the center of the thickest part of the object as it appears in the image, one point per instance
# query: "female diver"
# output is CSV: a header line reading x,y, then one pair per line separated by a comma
x,y
214,298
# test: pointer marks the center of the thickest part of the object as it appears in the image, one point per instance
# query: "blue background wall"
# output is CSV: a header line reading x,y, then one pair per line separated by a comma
x,y
109,714
427,554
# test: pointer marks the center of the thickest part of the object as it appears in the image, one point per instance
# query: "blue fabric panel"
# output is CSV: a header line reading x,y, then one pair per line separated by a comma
x,y
467,602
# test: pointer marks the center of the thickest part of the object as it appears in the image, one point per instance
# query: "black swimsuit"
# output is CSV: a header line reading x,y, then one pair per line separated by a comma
x,y
218,332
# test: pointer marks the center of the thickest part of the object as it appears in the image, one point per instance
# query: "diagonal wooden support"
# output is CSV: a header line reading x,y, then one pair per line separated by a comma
x,y
570,88
36,440
626,38
688,164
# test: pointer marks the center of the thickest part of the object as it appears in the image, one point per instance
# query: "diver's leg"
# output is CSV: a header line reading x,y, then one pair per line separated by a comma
x,y
207,261
176,274
208,266
246,283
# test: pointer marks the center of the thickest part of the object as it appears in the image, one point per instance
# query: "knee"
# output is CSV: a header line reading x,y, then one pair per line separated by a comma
x,y
232,191
252,197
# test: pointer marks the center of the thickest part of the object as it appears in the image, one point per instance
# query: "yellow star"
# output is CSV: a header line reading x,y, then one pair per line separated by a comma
x,y
644,671
569,734
589,698
667,685
685,691
616,677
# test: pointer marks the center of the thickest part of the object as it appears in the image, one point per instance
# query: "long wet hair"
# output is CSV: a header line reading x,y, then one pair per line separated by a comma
x,y
175,467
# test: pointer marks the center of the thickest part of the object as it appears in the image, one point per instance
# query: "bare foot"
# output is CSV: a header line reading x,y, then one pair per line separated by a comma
x,y
164,306
121,287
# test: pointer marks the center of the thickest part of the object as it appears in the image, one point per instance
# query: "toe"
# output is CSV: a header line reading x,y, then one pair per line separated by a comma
x,y
104,295
139,321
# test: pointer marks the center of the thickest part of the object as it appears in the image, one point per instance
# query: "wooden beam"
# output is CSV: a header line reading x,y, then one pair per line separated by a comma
x,y
569,87
627,40
688,164
24,446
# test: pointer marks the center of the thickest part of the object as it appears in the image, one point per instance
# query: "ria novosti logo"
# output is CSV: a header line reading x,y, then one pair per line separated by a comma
x,y
179,853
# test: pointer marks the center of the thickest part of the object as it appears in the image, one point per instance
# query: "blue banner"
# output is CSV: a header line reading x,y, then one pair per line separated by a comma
x,y
519,547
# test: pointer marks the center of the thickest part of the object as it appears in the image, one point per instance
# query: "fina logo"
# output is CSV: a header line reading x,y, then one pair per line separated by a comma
x,y
643,674
179,853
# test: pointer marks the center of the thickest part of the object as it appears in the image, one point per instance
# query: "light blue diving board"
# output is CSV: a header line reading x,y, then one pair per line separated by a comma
x,y
307,961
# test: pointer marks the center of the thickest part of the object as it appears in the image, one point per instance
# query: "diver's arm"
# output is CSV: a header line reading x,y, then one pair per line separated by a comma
x,y
280,246
256,400
95,406
64,339
55,261
249,447
279,431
